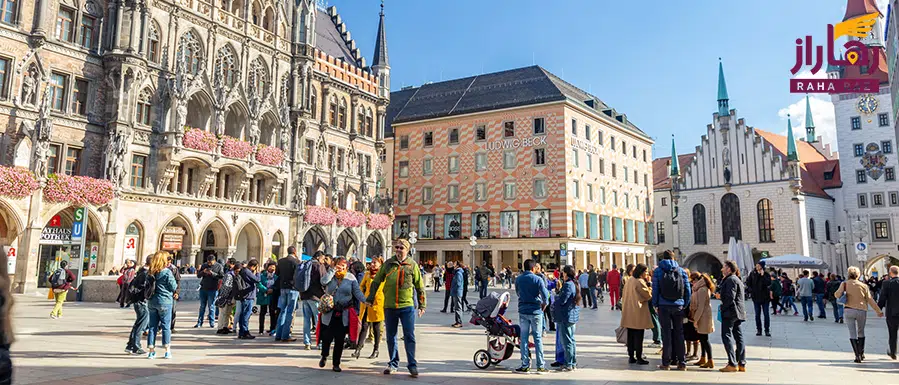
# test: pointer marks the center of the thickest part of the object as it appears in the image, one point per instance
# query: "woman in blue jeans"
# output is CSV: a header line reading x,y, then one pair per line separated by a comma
x,y
566,313
160,304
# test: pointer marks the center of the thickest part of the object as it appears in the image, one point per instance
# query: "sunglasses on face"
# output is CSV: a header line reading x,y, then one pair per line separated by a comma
x,y
401,247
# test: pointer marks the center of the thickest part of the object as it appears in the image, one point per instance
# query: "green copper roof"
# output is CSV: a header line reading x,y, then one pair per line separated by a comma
x,y
792,154
675,166
809,122
723,108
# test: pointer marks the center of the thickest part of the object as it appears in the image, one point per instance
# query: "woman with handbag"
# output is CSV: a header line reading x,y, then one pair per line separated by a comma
x,y
635,315
855,296
373,315
701,316
343,289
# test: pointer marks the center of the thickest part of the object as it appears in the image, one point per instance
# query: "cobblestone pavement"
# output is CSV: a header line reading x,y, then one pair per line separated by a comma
x,y
86,347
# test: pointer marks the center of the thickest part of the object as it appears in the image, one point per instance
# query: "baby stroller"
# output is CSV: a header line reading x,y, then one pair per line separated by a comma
x,y
502,334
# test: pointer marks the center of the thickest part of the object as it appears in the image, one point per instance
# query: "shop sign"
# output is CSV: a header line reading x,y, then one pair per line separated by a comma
x,y
584,145
10,259
172,238
131,247
94,251
56,236
78,225
510,144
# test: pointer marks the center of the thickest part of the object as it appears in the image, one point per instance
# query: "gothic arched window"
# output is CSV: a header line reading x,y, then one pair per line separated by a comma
x,y
313,104
811,229
341,113
826,230
191,52
153,39
766,221
226,64
145,107
368,123
730,218
700,236
259,75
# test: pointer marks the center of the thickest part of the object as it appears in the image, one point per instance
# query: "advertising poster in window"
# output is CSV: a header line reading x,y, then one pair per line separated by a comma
x,y
480,225
452,226
401,227
508,224
426,226
539,223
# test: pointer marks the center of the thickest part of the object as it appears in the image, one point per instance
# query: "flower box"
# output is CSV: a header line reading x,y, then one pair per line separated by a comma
x,y
236,148
349,218
379,222
17,182
269,155
198,139
78,190
318,215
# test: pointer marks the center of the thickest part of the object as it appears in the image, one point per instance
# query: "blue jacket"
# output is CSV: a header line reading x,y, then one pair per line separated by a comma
x,y
458,283
532,293
657,299
165,289
565,309
250,278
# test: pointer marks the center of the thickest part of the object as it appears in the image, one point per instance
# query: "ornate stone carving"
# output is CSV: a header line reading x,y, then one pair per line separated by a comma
x,y
299,191
208,181
322,153
29,85
116,147
167,177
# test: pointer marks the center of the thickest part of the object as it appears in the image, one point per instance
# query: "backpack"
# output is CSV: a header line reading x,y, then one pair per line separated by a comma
x,y
241,287
302,276
58,279
142,287
226,292
672,285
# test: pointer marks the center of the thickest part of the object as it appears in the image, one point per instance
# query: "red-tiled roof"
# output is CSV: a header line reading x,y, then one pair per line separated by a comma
x,y
855,8
812,164
660,171
881,73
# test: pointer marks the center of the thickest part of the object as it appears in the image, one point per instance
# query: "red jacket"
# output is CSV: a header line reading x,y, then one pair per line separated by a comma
x,y
448,279
614,279
70,277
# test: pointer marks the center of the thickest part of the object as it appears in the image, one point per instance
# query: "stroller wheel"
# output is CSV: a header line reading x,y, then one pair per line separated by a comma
x,y
482,359
495,362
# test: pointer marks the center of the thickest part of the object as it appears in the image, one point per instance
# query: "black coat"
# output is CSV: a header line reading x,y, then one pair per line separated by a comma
x,y
759,286
285,269
889,297
210,276
732,306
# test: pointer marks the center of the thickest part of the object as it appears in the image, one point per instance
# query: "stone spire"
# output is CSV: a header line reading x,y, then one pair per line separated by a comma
x,y
379,65
723,107
792,154
809,122
675,165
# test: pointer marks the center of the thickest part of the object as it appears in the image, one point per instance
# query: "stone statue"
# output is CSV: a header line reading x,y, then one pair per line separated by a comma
x,y
180,114
41,151
29,83
299,191
322,154
117,146
253,132
335,189
350,161
219,122
725,155
364,197
44,120
285,138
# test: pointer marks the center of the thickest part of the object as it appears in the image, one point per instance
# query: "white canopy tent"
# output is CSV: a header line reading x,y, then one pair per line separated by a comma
x,y
795,261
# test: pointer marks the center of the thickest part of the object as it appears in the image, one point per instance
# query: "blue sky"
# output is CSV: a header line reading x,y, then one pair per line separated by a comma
x,y
655,61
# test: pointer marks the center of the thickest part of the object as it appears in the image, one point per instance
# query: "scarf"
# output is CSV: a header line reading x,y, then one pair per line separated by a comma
x,y
340,274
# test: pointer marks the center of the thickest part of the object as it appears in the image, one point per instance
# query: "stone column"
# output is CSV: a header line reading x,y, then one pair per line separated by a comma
x,y
29,247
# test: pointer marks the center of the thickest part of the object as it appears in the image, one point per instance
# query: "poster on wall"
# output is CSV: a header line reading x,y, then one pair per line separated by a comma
x,y
480,224
401,227
539,223
508,224
452,226
172,237
426,226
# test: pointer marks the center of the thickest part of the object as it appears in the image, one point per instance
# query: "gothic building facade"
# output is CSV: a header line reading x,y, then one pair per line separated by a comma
x,y
230,126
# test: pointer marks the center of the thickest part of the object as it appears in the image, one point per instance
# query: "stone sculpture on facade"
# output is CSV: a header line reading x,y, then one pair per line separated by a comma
x,y
117,146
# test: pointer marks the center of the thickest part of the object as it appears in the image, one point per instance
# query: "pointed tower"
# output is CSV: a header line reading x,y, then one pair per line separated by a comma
x,y
809,123
792,154
723,107
306,28
379,65
675,164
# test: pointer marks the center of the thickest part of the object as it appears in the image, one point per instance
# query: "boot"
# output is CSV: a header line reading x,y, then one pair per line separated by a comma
x,y
373,355
861,348
710,364
701,362
854,343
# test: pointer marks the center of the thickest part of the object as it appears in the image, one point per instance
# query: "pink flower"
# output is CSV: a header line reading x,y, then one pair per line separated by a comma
x,y
78,190
235,148
17,182
318,215
349,218
198,139
379,221
269,155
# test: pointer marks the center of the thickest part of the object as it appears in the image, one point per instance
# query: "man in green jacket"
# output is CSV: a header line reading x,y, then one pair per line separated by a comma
x,y
400,276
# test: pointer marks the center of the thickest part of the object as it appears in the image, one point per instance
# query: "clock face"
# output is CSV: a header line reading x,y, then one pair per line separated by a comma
x,y
866,104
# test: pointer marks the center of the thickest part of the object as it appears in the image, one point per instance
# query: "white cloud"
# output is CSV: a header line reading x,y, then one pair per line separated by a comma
x,y
822,114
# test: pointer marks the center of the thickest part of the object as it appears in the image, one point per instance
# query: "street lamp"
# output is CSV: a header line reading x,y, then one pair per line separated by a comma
x,y
473,242
843,248
413,238
860,229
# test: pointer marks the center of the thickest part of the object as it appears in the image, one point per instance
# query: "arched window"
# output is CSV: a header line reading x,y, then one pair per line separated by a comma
x,y
153,39
368,123
826,230
259,75
268,21
730,218
360,122
226,64
191,52
313,105
766,221
256,13
333,117
341,113
145,107
811,229
700,237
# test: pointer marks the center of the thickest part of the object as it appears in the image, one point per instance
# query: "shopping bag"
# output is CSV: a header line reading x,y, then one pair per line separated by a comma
x,y
621,335
354,324
318,329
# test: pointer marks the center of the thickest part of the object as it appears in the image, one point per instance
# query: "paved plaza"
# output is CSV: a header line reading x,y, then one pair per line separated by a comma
x,y
86,347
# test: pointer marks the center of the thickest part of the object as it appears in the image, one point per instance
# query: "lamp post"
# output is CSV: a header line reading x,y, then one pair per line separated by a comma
x,y
473,241
860,230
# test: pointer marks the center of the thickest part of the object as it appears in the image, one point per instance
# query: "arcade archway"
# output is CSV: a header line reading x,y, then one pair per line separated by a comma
x,y
214,239
704,263
374,246
314,240
248,243
346,244
177,237
56,245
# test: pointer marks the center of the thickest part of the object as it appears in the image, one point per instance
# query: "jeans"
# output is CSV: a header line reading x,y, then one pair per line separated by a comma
x,y
732,332
672,320
406,316
788,299
446,299
457,309
856,320
560,350
566,335
141,320
60,300
531,325
656,328
287,302
310,319
207,299
761,308
807,310
246,311
5,366
585,298
837,310
483,289
593,296
160,316
819,298
436,284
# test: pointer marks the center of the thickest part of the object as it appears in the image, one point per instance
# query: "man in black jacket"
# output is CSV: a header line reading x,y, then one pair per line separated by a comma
x,y
759,283
733,313
287,301
889,299
311,296
592,281
819,291
210,275
831,287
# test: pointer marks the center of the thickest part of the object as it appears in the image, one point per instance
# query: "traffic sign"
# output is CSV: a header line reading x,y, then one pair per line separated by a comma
x,y
78,225
764,254
563,253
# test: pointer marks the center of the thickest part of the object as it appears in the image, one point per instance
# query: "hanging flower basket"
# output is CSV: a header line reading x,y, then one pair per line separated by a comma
x,y
17,182
318,215
236,148
379,222
198,139
78,190
350,218
269,155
